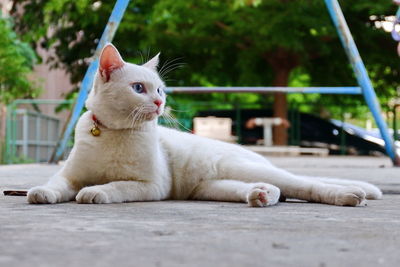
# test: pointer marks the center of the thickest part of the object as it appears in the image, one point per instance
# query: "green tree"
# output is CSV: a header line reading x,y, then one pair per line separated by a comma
x,y
227,42
16,63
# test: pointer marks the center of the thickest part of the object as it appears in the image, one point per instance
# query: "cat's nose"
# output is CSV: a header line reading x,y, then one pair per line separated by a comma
x,y
158,102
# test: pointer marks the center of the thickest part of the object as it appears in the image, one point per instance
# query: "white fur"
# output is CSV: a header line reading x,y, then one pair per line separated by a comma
x,y
134,159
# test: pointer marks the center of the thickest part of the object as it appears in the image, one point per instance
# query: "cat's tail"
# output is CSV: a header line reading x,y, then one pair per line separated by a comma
x,y
372,191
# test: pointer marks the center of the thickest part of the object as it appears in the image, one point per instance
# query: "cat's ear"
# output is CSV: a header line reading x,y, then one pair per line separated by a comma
x,y
152,63
110,60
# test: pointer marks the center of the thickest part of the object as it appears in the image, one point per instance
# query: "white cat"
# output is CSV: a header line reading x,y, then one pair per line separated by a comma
x,y
134,159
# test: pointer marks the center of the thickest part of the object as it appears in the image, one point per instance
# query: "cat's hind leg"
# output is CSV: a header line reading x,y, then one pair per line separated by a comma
x,y
372,192
254,194
293,186
57,189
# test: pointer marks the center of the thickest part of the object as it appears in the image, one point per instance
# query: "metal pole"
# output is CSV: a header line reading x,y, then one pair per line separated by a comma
x,y
362,75
14,135
238,123
87,82
395,134
9,125
25,131
352,90
342,133
38,135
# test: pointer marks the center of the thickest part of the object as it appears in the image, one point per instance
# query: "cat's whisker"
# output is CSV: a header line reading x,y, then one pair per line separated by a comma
x,y
167,80
142,58
176,110
148,54
140,119
172,62
180,64
175,121
136,116
170,68
174,124
169,122
132,113
166,68
168,61
133,120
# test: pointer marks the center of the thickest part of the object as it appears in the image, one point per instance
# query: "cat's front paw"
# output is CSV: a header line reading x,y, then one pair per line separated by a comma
x,y
262,195
42,195
92,195
350,196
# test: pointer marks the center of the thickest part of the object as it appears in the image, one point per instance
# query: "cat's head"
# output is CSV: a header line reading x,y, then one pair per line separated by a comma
x,y
125,95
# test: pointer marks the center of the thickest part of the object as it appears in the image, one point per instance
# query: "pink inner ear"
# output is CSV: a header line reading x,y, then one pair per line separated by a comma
x,y
110,60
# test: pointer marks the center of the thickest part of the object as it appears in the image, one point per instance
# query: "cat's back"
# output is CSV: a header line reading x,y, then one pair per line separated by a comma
x,y
183,143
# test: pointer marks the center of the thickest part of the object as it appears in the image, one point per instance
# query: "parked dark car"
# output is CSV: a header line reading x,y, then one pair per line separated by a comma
x,y
308,130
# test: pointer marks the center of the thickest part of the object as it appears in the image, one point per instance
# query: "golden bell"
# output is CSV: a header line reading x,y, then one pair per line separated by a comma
x,y
95,131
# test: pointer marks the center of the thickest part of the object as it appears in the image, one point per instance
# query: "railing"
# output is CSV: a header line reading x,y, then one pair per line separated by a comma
x,y
352,90
31,136
37,135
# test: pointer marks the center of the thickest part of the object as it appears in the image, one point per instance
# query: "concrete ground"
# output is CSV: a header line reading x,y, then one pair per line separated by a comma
x,y
188,233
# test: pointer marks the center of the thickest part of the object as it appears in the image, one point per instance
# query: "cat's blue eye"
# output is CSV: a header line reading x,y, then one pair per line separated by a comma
x,y
159,91
138,88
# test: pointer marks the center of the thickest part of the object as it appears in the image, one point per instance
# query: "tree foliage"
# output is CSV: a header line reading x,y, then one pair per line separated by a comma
x,y
225,42
16,63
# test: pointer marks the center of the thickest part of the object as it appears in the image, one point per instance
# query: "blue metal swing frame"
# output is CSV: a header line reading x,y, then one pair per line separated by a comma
x,y
365,86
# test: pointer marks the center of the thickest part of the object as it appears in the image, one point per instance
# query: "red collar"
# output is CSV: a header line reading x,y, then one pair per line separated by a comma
x,y
95,120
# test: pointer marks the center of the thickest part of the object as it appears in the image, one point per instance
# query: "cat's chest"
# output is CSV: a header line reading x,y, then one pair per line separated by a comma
x,y
121,155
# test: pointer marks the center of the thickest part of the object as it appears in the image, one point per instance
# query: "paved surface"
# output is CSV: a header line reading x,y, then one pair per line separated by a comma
x,y
188,233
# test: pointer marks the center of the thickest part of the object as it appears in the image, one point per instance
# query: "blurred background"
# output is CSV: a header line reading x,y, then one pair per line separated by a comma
x,y
46,47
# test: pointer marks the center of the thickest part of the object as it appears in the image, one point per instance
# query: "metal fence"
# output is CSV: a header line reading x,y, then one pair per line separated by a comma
x,y
36,135
32,135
